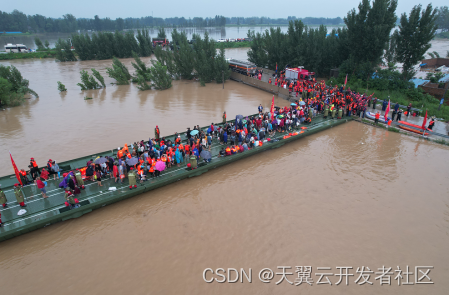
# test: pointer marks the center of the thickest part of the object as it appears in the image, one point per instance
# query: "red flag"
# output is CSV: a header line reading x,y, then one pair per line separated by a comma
x,y
424,124
272,108
387,111
16,171
345,83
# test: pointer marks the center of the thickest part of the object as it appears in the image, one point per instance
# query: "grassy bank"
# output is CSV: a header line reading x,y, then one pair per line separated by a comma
x,y
280,25
17,34
442,35
29,55
403,99
233,44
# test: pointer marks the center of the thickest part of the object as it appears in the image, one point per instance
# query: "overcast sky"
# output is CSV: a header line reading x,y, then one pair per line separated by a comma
x,y
201,8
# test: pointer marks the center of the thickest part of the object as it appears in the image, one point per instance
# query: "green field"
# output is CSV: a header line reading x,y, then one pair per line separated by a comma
x,y
28,55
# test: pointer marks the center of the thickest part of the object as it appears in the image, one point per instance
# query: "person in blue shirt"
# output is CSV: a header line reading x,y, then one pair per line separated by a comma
x,y
260,108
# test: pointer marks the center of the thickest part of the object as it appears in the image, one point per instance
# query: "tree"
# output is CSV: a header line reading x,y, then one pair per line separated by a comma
x,y
13,87
87,81
47,44
166,58
38,43
184,56
257,53
414,36
160,78
442,18
161,33
141,69
99,77
119,72
368,30
63,51
221,66
61,87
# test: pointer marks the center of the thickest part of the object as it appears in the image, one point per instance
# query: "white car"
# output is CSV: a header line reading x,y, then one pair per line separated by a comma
x,y
232,40
222,40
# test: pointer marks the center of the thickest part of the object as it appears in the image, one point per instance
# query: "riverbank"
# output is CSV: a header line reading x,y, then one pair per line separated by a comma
x,y
442,35
233,44
28,55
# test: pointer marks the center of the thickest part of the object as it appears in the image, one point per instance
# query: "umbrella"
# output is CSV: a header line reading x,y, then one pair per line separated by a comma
x,y
293,104
239,116
194,132
302,103
132,161
244,121
160,166
280,116
100,160
205,154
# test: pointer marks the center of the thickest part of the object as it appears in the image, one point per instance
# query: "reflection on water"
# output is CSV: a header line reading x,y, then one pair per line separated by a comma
x,y
352,195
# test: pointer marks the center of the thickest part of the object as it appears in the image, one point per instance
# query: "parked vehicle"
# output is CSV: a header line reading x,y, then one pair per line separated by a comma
x,y
160,41
222,40
241,67
15,48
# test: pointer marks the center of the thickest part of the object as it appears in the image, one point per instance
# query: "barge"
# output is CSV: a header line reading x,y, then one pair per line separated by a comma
x,y
42,212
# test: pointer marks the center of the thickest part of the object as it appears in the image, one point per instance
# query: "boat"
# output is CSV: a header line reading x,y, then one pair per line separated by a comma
x,y
40,213
413,130
371,115
413,125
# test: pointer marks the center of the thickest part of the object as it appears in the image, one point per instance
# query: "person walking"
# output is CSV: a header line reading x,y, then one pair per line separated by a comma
x,y
408,109
3,200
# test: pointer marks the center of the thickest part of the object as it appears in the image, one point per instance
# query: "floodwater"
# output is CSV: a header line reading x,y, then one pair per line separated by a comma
x,y
214,33
351,196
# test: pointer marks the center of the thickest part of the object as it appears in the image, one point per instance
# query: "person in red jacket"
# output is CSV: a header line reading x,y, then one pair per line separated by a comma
x,y
377,117
41,186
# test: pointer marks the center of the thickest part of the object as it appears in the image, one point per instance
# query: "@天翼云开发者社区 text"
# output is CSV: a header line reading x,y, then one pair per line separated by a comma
x,y
344,275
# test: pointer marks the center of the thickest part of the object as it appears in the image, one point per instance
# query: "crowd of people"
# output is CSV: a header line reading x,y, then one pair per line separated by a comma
x,y
141,160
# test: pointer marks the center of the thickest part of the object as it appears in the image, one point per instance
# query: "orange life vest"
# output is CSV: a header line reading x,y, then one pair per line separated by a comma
x,y
34,164
120,154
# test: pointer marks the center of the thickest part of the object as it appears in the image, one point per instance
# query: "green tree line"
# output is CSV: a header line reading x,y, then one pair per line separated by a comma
x,y
356,49
106,45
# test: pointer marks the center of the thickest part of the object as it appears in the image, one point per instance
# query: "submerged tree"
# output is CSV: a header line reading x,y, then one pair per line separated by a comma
x,y
141,69
159,76
47,44
183,56
88,81
119,72
61,87
13,87
99,77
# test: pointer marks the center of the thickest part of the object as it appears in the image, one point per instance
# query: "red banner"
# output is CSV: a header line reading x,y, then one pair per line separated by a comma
x,y
16,171
424,124
387,111
272,108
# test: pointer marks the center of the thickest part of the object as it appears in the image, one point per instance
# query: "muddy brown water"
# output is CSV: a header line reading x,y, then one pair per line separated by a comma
x,y
353,196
